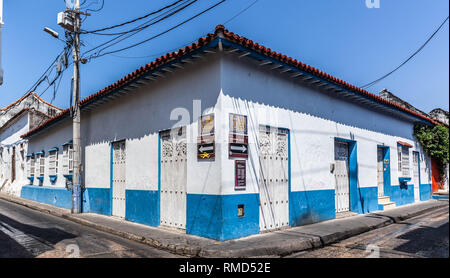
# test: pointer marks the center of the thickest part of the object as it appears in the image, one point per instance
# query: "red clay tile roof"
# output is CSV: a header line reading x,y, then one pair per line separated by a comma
x,y
404,144
220,29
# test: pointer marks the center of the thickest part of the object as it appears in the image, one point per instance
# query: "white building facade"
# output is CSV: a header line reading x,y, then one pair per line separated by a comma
x,y
16,119
225,139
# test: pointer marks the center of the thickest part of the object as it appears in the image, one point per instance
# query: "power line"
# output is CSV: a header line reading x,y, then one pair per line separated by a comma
x,y
151,55
130,21
41,78
138,27
97,10
162,33
141,27
239,13
407,60
144,27
46,72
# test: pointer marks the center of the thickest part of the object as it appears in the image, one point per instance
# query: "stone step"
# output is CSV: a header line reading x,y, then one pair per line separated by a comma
x,y
387,206
384,200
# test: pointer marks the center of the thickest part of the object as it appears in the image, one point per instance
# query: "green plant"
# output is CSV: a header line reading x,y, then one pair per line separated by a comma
x,y
435,142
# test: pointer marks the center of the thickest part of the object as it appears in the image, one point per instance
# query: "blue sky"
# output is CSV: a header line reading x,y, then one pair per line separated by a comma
x,y
341,37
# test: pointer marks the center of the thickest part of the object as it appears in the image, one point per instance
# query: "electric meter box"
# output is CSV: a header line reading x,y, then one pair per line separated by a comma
x,y
65,20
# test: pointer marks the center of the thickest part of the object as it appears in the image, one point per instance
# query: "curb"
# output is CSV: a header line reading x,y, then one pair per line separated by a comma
x,y
286,248
177,249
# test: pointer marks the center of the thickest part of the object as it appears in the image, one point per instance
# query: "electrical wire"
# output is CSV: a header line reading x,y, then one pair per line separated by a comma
x,y
46,74
151,55
407,60
131,33
239,13
141,27
159,20
99,9
41,78
160,34
130,21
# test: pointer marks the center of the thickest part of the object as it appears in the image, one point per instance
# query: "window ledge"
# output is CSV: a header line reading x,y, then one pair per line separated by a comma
x,y
404,180
53,178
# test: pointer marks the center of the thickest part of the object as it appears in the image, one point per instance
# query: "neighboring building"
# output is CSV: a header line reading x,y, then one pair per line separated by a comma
x,y
24,114
273,143
440,114
395,99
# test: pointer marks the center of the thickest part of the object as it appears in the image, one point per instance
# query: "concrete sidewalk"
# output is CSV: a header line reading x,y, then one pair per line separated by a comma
x,y
277,243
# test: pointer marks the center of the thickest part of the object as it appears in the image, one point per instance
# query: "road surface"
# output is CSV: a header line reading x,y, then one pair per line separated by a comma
x,y
424,236
26,233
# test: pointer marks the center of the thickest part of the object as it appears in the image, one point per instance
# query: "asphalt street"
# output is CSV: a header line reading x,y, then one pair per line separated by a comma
x,y
424,236
26,233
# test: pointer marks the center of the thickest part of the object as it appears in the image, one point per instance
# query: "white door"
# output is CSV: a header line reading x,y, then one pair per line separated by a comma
x,y
274,178
118,179
380,171
416,181
173,178
342,192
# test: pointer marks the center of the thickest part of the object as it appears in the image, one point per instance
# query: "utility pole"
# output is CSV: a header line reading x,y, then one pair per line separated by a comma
x,y
76,177
70,20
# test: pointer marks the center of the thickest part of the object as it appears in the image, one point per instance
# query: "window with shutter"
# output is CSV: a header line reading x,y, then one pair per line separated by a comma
x,y
41,161
70,159
67,160
403,160
30,166
53,163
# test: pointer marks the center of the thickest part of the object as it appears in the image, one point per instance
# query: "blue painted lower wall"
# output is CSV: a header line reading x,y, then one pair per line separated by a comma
x,y
440,197
142,206
425,192
216,216
96,200
60,197
308,207
402,194
365,199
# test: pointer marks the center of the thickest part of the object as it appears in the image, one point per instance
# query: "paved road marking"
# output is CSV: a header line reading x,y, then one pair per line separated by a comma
x,y
31,244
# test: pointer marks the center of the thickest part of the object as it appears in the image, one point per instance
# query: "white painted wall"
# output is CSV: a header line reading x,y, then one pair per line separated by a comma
x,y
10,138
314,119
228,86
138,118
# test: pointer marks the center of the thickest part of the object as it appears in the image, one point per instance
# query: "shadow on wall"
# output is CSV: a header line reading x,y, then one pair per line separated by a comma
x,y
18,240
245,81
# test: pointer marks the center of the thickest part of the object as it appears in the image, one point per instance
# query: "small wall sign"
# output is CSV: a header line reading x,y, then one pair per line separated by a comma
x,y
205,141
240,174
238,138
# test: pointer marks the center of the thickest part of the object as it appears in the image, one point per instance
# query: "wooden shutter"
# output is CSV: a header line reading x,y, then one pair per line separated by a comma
x,y
405,161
